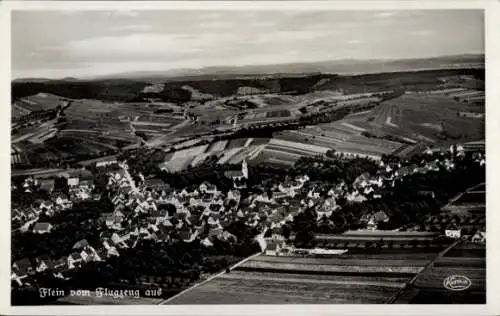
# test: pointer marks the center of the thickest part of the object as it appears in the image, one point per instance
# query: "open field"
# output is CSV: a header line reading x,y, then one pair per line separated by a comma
x,y
236,143
217,146
434,277
337,269
426,118
426,115
39,102
278,158
334,279
237,291
351,278
463,259
346,260
342,136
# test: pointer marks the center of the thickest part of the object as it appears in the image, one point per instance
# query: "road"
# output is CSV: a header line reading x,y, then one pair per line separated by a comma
x,y
124,166
40,172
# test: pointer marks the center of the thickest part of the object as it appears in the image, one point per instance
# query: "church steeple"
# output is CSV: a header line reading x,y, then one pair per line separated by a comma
x,y
244,169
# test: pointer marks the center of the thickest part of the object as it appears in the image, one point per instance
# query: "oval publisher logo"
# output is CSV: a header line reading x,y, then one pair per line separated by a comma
x,y
457,283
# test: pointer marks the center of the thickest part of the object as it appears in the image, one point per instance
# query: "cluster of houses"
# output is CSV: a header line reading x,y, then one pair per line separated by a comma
x,y
62,268
366,186
79,190
143,212
150,210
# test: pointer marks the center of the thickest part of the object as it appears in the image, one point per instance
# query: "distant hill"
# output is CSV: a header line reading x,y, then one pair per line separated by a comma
x,y
348,75
348,66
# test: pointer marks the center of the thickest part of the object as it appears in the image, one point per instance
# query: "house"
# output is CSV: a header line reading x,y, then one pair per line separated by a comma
x,y
81,244
86,184
114,221
279,195
119,238
119,199
368,190
377,218
28,214
140,208
89,254
155,184
167,223
362,180
479,237
277,234
63,201
211,222
208,188
432,166
46,205
21,270
302,179
74,260
354,196
273,248
18,275
453,232
227,236
105,163
109,245
73,182
44,263
42,228
16,215
119,209
23,266
206,242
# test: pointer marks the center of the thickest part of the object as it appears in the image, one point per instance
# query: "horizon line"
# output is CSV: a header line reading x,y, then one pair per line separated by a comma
x,y
98,77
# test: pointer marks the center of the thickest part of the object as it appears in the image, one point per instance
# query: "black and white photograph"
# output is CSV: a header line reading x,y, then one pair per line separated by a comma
x,y
226,156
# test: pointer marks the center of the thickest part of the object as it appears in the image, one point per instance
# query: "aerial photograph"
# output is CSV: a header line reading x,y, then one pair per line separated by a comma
x,y
182,157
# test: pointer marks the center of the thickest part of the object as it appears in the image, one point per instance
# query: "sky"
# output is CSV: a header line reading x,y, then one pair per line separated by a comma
x,y
57,44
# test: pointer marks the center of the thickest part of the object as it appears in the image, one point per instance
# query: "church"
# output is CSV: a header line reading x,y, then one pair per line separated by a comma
x,y
238,175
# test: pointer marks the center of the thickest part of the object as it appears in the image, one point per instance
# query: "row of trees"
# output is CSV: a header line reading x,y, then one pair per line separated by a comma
x,y
333,170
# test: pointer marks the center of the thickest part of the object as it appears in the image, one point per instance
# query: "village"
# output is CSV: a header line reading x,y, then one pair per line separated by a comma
x,y
151,210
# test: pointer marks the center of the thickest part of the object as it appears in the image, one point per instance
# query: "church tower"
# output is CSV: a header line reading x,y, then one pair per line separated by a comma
x,y
244,169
